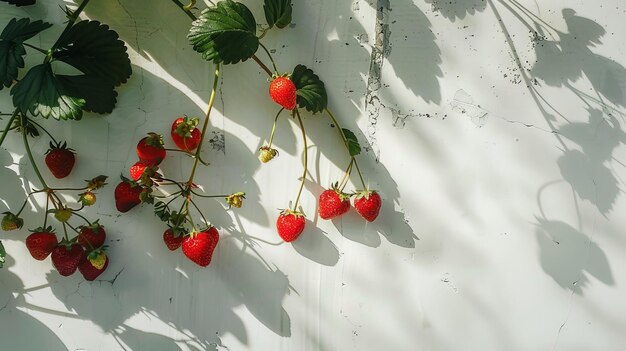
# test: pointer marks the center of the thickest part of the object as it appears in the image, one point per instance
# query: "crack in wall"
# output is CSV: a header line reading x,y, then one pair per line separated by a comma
x,y
380,50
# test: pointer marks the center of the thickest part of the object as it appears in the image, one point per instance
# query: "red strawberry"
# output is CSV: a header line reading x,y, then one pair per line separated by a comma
x,y
367,204
185,134
127,195
66,257
199,247
150,149
60,160
92,236
283,92
139,168
172,242
333,203
93,264
41,243
290,225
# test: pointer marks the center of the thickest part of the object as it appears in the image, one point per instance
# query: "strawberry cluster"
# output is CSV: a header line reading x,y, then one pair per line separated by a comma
x,y
148,184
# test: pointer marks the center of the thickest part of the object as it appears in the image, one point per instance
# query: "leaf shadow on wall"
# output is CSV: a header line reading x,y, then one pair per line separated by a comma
x,y
562,58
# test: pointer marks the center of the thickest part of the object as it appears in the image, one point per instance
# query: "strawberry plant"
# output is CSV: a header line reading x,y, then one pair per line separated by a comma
x,y
41,93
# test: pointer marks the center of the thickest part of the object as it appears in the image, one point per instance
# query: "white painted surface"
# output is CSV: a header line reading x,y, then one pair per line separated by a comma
x,y
501,228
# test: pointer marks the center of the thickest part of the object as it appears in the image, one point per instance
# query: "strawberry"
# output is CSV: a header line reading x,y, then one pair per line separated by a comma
x,y
367,204
66,257
92,236
63,214
11,222
127,195
140,168
283,92
199,247
290,224
185,134
41,243
93,264
236,199
87,198
171,241
151,149
60,160
333,203
266,154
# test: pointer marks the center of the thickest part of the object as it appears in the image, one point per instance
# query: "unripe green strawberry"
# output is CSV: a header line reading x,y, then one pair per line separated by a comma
x,y
87,198
236,199
63,215
266,154
11,222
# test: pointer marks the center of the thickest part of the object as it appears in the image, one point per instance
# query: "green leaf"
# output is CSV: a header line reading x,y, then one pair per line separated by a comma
x,y
95,50
225,33
311,93
353,143
99,95
278,12
20,3
3,255
11,48
41,93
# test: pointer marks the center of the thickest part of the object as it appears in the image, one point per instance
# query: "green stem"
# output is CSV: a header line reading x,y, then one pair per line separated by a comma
x,y
306,159
44,129
200,212
72,19
45,214
209,196
270,56
185,10
81,216
263,66
35,48
32,160
8,127
346,176
204,127
345,142
274,126
65,232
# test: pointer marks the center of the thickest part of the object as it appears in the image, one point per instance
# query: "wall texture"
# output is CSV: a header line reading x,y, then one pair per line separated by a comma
x,y
495,134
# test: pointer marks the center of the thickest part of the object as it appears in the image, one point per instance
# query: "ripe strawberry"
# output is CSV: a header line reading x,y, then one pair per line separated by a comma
x,y
367,204
151,149
93,264
92,236
333,203
283,92
11,222
127,195
171,241
290,225
41,243
199,247
60,160
185,134
66,257
140,168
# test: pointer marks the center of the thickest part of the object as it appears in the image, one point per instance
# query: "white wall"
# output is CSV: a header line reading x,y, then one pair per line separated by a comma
x,y
501,228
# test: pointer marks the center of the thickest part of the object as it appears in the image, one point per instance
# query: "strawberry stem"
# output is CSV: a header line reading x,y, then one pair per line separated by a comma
x,y
274,127
346,176
345,142
72,17
45,214
263,66
8,127
32,160
44,129
270,56
81,216
306,159
204,126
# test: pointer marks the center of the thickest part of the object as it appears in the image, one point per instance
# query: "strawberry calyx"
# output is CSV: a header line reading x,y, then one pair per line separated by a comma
x,y
11,221
186,126
342,196
155,140
68,244
59,146
94,226
363,193
47,229
97,182
288,211
236,199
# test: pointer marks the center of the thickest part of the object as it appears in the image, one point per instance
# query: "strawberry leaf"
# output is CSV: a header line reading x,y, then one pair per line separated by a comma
x,y
41,93
11,49
99,95
278,12
311,93
353,142
95,50
225,33
3,255
20,3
